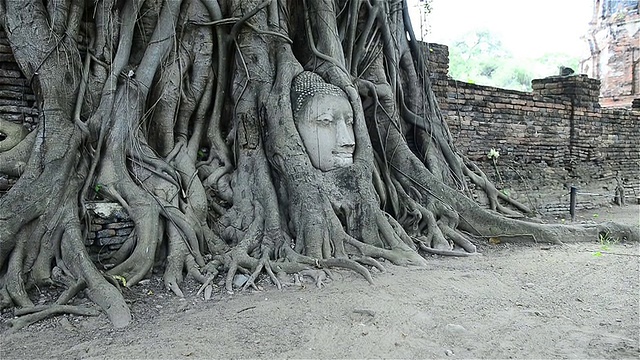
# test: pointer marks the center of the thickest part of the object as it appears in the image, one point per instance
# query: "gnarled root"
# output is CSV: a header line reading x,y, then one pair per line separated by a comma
x,y
11,134
34,314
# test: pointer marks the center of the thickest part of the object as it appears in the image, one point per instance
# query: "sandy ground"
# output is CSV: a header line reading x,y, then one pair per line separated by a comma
x,y
572,301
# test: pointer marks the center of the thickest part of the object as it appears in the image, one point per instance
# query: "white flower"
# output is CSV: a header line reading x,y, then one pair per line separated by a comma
x,y
493,154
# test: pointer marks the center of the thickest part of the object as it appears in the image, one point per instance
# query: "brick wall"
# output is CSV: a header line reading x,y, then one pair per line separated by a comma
x,y
16,97
559,126
110,228
550,138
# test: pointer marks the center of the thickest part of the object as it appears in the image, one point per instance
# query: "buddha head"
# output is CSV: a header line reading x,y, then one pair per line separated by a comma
x,y
324,119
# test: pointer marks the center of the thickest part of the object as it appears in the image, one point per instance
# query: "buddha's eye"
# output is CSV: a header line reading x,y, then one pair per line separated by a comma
x,y
325,120
348,119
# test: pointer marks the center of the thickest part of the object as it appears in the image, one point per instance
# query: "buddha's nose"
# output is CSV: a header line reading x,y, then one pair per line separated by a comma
x,y
345,137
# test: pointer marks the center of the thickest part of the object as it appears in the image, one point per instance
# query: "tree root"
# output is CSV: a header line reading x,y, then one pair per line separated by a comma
x,y
318,276
11,134
366,260
34,314
263,264
447,252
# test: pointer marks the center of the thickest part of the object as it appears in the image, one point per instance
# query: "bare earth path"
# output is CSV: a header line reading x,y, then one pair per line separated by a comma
x,y
573,301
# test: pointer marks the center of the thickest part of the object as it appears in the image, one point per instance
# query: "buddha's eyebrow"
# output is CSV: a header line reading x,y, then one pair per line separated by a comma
x,y
324,114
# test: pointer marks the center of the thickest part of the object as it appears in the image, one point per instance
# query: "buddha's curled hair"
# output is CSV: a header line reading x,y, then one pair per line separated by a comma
x,y
306,85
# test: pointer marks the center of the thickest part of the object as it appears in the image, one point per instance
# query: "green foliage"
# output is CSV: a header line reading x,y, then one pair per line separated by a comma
x,y
481,58
606,241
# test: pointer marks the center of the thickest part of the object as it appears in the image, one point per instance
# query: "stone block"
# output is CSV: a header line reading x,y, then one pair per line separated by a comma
x,y
124,232
120,225
112,240
105,233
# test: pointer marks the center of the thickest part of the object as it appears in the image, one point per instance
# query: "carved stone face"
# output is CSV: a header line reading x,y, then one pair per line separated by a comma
x,y
325,124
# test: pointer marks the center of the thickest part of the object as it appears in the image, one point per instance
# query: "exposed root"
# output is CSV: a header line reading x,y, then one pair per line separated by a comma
x,y
13,162
318,276
11,134
370,262
478,177
447,252
263,264
34,314
347,264
71,292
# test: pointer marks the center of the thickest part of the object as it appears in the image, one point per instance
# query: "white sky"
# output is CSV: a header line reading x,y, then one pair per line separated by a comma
x,y
528,28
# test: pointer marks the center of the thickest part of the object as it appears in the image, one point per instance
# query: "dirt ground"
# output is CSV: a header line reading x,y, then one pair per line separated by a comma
x,y
572,301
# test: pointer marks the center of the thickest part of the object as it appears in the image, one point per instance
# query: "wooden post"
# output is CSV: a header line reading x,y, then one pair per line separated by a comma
x,y
572,202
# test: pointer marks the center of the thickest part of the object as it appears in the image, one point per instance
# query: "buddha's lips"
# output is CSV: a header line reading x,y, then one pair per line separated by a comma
x,y
343,154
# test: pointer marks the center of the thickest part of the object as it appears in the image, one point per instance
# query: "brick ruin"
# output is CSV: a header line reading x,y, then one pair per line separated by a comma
x,y
614,45
552,137
16,97
549,138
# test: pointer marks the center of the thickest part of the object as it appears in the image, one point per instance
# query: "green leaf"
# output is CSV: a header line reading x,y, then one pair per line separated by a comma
x,y
121,279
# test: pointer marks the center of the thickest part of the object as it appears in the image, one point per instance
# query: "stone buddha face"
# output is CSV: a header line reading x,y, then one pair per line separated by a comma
x,y
324,119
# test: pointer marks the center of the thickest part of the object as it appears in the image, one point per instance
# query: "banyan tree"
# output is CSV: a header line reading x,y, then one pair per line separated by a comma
x,y
266,137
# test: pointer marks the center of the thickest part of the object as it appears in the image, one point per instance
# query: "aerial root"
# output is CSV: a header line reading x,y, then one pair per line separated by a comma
x,y
400,231
34,314
478,177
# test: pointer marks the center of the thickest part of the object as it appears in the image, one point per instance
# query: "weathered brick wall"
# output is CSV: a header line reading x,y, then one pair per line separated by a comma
x,y
481,118
16,96
555,136
616,140
110,228
557,130
437,60
614,42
